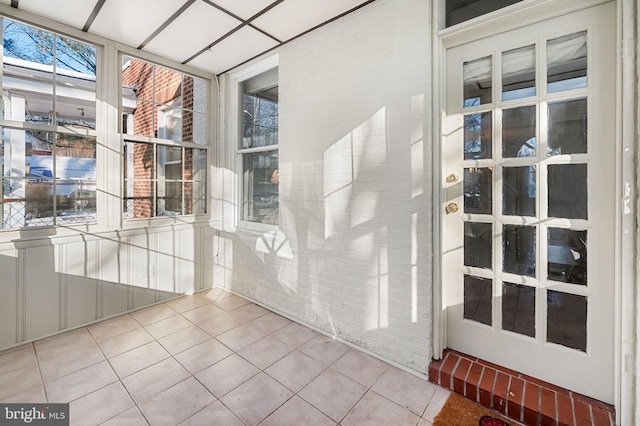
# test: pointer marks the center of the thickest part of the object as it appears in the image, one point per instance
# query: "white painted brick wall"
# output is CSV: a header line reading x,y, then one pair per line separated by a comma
x,y
355,186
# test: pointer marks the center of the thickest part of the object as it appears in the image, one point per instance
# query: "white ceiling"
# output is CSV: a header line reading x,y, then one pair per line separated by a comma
x,y
212,35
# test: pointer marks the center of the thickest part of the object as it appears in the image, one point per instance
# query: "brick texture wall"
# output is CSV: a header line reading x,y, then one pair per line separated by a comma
x,y
353,254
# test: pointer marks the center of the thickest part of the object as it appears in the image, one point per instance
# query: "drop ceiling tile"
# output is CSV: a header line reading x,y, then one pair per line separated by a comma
x,y
131,22
70,12
199,26
235,49
244,9
293,17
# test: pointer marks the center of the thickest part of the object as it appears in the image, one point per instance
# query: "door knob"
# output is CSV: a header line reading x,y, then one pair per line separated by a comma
x,y
451,178
451,208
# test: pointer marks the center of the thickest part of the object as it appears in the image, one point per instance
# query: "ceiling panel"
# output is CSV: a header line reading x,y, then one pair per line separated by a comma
x,y
177,44
70,12
293,17
131,22
235,49
243,9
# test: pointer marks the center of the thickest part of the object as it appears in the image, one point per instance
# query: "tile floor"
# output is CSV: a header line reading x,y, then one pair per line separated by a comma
x,y
213,358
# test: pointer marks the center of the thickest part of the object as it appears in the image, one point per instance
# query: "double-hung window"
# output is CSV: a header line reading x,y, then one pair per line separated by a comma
x,y
48,128
165,144
259,148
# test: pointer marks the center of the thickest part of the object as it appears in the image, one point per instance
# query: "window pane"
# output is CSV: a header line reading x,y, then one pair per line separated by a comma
x,y
478,136
260,118
519,132
567,256
143,120
568,191
169,123
519,73
167,87
477,82
462,10
194,94
194,127
567,62
139,171
519,191
138,76
477,299
519,250
519,309
261,178
478,193
567,132
478,244
567,320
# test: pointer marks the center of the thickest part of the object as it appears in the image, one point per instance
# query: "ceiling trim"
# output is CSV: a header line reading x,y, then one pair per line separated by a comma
x,y
166,23
92,16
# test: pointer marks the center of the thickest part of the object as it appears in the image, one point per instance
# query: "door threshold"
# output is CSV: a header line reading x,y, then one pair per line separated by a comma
x,y
517,396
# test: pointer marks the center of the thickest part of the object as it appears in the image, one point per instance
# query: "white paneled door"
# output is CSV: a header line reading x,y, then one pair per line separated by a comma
x,y
529,213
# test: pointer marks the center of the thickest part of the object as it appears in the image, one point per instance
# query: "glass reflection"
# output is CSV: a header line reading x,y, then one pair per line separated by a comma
x,y
519,309
519,73
477,136
567,255
478,193
567,62
567,132
568,191
519,191
477,244
519,250
519,132
477,81
477,299
567,320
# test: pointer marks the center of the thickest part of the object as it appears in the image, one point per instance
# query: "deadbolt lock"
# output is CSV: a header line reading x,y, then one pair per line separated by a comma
x,y
452,178
451,208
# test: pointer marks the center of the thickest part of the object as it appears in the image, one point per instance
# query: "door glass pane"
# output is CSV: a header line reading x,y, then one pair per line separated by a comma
x,y
478,193
568,191
477,82
477,244
477,299
519,191
477,136
519,132
519,250
567,132
519,309
567,256
463,10
567,62
567,320
519,73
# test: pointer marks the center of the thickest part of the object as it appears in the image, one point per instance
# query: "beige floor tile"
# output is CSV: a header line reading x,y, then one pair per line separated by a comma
x,y
255,399
296,412
295,370
249,312
226,375
203,355
405,389
361,367
80,383
435,405
68,362
154,379
229,301
167,326
32,395
19,381
17,358
124,342
187,303
203,313
241,336
214,414
184,339
324,349
138,359
61,344
211,295
220,324
270,322
265,352
424,422
93,409
131,417
333,394
177,403
375,410
113,327
153,314
295,334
